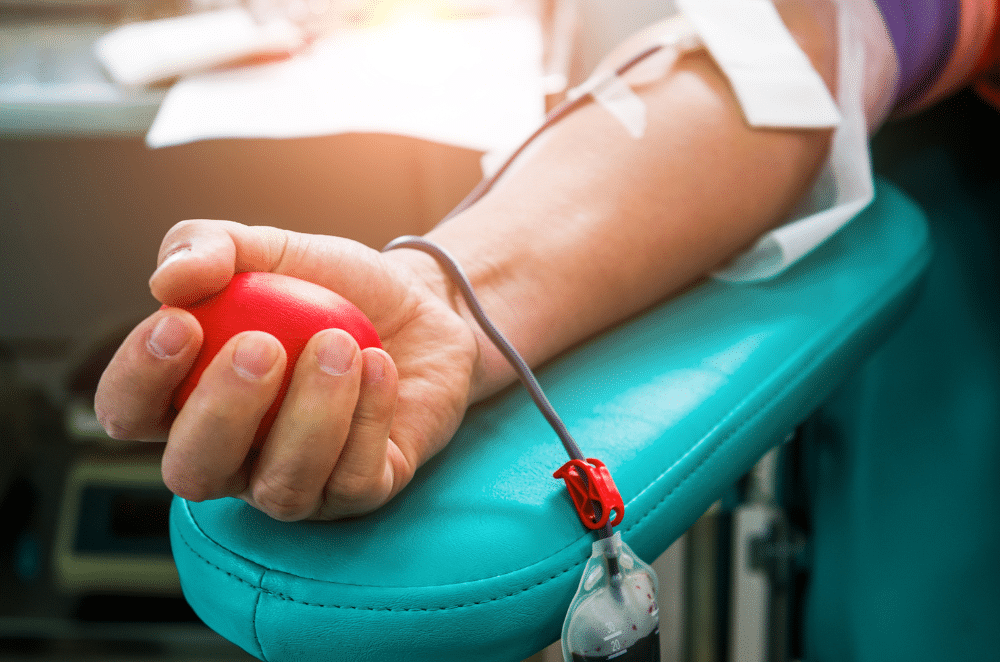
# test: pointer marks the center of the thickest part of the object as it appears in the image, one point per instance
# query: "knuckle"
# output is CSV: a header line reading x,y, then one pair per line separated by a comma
x,y
181,226
282,499
122,428
114,427
369,425
213,412
352,494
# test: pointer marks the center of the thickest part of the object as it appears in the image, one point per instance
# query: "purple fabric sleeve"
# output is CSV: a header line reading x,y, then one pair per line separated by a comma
x,y
923,33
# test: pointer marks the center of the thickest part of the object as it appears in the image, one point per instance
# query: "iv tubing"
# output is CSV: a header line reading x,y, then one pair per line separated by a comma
x,y
457,274
524,373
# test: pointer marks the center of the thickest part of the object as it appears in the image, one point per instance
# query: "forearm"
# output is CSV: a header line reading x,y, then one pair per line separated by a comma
x,y
594,226
590,228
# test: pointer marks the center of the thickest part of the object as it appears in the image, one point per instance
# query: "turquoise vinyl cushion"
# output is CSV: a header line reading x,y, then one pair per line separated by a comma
x,y
479,557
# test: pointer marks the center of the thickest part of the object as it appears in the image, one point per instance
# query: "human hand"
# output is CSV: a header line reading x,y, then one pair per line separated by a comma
x,y
348,436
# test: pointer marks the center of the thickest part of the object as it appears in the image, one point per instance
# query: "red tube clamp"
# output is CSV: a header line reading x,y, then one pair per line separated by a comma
x,y
589,484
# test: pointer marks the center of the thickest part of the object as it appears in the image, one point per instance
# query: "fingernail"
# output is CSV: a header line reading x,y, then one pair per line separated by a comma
x,y
255,355
168,337
173,256
336,353
374,368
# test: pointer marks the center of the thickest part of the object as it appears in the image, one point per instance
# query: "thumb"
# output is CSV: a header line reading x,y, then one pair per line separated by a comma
x,y
198,258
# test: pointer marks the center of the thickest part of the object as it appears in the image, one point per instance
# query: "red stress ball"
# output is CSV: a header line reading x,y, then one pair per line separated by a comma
x,y
290,309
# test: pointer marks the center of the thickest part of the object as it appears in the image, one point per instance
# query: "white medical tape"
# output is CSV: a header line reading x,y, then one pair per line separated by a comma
x,y
617,97
678,38
772,78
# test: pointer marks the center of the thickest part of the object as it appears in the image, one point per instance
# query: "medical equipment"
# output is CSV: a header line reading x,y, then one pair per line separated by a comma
x,y
680,402
608,606
614,615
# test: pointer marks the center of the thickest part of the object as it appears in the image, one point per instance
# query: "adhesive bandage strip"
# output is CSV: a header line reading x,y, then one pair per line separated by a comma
x,y
615,95
617,98
772,78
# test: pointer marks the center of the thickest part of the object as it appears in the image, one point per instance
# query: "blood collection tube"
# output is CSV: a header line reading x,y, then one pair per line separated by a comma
x,y
614,614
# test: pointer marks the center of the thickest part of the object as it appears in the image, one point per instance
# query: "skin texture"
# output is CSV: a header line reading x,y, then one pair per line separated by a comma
x,y
588,229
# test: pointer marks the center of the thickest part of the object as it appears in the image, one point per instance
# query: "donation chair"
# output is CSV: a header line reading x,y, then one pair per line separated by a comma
x,y
479,557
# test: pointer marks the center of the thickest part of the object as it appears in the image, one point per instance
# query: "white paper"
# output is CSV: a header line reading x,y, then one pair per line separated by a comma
x,y
474,83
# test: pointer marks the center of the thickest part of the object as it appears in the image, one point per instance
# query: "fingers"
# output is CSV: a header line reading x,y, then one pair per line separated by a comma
x,y
329,453
364,478
133,398
310,429
326,455
211,437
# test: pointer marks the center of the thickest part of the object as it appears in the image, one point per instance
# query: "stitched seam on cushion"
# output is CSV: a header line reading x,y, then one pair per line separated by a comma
x,y
239,579
256,607
223,571
227,550
265,570
281,596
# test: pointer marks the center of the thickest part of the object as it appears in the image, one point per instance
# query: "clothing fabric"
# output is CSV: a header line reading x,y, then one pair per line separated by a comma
x,y
941,46
928,49
899,472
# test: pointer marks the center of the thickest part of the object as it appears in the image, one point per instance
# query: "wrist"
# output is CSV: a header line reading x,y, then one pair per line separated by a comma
x,y
441,292
490,370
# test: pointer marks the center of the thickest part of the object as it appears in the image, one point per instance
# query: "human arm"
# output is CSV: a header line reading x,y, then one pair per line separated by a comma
x,y
595,226
589,228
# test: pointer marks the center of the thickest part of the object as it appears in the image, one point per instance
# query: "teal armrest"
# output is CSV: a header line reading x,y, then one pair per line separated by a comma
x,y
478,558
